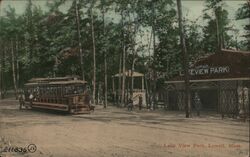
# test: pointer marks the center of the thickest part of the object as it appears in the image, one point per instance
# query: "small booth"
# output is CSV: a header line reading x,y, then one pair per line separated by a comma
x,y
222,81
138,86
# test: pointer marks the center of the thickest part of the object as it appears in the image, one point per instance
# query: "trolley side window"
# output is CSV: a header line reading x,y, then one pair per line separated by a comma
x,y
74,89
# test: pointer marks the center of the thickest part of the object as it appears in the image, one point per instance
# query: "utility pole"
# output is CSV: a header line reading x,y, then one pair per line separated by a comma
x,y
185,60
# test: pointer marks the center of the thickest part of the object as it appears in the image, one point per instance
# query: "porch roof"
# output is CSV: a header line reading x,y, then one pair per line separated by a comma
x,y
128,74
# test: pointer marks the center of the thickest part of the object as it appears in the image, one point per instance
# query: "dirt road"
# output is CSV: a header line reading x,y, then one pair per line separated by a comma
x,y
116,132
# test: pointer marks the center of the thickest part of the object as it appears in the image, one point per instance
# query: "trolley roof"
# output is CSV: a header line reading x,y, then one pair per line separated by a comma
x,y
55,81
67,78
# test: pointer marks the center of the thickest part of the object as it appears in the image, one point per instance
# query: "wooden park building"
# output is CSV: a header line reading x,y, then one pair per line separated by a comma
x,y
222,81
138,87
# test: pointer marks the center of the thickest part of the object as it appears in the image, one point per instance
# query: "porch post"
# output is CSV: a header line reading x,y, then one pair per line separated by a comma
x,y
142,83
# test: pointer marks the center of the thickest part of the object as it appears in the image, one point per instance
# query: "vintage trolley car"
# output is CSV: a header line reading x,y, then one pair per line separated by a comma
x,y
61,93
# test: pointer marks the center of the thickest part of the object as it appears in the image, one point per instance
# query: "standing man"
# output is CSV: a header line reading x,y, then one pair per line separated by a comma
x,y
246,99
31,97
21,99
197,103
130,104
243,102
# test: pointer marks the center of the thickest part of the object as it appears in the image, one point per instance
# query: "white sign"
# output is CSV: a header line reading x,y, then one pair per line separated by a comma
x,y
206,70
209,70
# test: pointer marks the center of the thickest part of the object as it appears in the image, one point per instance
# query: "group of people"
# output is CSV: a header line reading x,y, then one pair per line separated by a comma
x,y
196,100
21,99
130,104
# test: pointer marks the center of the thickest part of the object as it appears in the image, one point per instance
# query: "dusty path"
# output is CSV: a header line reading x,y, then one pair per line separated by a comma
x,y
117,133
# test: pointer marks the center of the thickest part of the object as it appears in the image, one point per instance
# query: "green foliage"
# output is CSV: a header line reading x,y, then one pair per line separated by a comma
x,y
243,13
216,30
46,42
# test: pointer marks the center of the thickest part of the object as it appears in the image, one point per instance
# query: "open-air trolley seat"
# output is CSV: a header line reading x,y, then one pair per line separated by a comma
x,y
61,93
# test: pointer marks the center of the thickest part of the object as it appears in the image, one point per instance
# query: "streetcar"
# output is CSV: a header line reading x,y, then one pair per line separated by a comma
x,y
60,93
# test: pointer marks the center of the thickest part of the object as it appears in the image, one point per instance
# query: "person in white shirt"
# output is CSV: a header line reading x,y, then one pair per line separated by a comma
x,y
31,97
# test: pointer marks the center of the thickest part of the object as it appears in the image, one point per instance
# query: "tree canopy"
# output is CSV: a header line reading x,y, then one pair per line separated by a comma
x,y
141,34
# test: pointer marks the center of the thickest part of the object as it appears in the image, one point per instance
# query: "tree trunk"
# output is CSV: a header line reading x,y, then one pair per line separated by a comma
x,y
123,74
0,80
98,93
119,81
223,45
105,82
132,78
31,32
148,85
218,33
147,93
1,70
185,63
94,59
79,38
133,42
123,63
13,67
236,43
17,63
1,84
105,62
154,70
3,73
